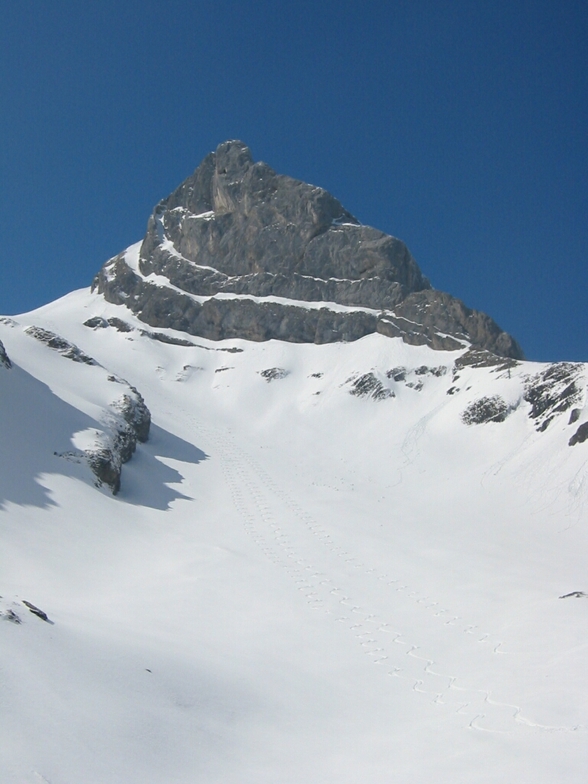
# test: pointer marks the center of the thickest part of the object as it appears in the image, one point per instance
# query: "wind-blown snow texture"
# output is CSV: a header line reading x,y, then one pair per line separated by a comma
x,y
335,562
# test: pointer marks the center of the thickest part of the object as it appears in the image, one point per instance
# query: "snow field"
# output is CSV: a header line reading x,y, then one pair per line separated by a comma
x,y
290,586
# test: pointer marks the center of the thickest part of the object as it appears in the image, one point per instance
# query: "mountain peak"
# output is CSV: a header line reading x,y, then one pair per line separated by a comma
x,y
242,251
233,157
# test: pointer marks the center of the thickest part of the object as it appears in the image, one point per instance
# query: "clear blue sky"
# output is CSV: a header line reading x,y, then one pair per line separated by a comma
x,y
459,126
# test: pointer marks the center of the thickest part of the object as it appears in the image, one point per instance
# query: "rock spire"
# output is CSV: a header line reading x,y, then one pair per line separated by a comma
x,y
241,251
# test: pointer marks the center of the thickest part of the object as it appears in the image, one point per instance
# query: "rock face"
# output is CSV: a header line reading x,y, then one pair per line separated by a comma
x,y
127,423
553,391
241,251
4,358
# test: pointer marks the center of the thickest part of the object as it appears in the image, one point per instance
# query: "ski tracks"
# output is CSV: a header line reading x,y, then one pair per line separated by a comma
x,y
333,582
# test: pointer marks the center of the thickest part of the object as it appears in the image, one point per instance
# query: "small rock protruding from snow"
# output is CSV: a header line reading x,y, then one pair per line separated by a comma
x,y
10,615
397,374
274,374
119,324
8,610
370,386
96,322
401,374
424,370
36,611
486,409
580,435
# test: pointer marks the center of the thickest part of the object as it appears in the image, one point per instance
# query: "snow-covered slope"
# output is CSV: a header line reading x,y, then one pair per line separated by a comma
x,y
327,563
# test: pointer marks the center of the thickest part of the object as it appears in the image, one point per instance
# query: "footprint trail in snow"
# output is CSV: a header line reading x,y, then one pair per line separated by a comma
x,y
369,603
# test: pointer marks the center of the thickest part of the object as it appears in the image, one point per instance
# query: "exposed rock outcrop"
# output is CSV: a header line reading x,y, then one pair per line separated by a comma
x,y
271,374
36,611
553,391
127,422
4,358
236,233
482,359
98,322
580,435
486,409
368,385
64,347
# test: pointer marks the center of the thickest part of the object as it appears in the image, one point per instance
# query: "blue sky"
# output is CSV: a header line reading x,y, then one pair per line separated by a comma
x,y
460,127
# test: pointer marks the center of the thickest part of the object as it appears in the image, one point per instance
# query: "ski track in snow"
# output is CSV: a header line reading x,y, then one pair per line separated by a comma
x,y
294,541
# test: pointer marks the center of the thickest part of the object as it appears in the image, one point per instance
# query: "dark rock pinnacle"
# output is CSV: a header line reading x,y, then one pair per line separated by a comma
x,y
286,256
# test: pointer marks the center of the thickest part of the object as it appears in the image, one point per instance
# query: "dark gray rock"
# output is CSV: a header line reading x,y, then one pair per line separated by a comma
x,y
580,435
10,615
96,322
218,319
36,611
397,373
553,391
135,413
106,467
119,324
443,322
171,341
128,421
476,358
368,385
424,370
486,409
4,358
271,374
64,347
237,227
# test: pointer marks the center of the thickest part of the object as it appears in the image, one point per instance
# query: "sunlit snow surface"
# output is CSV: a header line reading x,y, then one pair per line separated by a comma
x,y
294,584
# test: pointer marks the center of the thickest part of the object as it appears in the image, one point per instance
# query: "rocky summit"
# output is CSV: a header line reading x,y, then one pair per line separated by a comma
x,y
239,251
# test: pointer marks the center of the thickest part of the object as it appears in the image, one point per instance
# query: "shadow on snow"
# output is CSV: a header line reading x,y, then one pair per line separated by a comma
x,y
145,479
35,424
